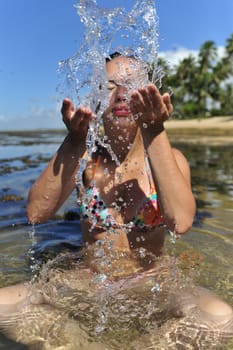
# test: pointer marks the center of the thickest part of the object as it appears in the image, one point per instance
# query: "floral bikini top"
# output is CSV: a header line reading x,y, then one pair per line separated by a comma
x,y
93,209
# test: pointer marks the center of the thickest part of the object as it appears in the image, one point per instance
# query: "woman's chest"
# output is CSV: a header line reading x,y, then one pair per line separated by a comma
x,y
122,189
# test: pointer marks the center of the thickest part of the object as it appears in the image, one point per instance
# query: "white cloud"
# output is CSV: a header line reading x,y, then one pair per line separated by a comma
x,y
38,118
173,57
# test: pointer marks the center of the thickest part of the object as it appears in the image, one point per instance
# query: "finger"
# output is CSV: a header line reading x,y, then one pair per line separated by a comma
x,y
67,106
136,102
156,98
82,116
167,101
161,103
67,109
84,112
146,97
136,97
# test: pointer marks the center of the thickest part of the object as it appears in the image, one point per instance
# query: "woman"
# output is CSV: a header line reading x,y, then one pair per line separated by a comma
x,y
147,161
127,206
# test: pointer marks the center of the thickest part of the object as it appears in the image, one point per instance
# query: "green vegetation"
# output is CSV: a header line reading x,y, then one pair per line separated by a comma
x,y
201,86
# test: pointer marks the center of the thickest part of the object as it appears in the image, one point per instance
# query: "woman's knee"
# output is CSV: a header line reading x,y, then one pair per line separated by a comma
x,y
213,305
13,294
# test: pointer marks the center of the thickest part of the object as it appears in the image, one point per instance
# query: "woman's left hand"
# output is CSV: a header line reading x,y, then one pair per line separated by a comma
x,y
150,107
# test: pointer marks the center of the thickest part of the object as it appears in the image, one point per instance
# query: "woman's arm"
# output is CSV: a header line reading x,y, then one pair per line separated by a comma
x,y
57,181
171,174
169,167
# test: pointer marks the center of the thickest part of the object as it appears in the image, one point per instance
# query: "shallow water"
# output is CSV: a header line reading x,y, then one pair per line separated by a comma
x,y
208,245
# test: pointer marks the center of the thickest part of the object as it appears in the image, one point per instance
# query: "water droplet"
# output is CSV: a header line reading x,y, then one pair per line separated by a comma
x,y
156,288
142,252
173,236
99,253
99,328
100,278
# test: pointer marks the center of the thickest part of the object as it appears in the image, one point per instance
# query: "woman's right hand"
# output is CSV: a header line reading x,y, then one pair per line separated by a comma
x,y
76,121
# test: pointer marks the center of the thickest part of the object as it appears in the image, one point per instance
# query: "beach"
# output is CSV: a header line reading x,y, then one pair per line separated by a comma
x,y
215,131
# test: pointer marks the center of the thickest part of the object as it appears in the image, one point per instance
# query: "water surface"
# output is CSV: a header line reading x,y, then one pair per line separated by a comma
x,y
209,243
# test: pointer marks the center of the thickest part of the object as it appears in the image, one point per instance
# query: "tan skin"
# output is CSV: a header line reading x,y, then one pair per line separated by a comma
x,y
169,168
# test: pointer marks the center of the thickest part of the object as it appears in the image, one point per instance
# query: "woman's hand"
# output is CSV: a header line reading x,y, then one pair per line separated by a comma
x,y
76,121
150,108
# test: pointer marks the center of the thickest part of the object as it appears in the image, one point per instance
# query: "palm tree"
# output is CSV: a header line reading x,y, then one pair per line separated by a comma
x,y
229,46
223,73
201,84
206,82
207,55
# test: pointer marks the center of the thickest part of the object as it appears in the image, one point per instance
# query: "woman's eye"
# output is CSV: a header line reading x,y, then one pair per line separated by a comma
x,y
111,87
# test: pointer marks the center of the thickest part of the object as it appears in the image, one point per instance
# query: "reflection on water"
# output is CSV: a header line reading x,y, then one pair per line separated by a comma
x,y
208,244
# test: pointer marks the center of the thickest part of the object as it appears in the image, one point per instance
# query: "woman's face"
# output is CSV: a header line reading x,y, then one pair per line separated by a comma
x,y
124,75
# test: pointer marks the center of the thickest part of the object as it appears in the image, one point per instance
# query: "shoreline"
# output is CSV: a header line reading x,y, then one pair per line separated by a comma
x,y
200,123
211,131
215,131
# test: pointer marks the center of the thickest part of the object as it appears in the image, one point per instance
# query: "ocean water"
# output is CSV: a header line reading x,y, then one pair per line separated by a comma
x,y
23,155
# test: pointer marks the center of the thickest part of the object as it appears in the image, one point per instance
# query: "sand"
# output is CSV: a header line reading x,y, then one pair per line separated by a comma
x,y
213,131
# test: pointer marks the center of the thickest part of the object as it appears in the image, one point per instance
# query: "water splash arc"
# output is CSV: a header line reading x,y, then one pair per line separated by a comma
x,y
131,33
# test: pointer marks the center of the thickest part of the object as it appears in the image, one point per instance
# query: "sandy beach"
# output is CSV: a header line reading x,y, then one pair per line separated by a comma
x,y
215,131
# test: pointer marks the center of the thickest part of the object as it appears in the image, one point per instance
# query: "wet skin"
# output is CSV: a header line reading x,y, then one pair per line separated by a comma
x,y
128,138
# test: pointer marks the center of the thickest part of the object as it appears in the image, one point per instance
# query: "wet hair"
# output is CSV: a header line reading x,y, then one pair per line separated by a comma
x,y
112,56
117,54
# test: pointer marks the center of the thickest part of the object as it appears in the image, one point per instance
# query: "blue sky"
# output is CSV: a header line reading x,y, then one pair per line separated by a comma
x,y
36,34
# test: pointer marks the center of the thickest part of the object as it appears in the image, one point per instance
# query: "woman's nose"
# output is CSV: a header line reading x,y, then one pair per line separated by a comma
x,y
121,93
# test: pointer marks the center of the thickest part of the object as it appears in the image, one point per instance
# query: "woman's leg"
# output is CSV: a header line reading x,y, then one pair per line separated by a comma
x,y
12,297
206,321
213,305
196,319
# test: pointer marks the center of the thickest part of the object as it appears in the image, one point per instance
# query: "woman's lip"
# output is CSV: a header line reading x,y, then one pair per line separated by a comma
x,y
121,111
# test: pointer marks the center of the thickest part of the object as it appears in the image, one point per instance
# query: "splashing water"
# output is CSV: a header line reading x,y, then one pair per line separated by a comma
x,y
137,32
83,76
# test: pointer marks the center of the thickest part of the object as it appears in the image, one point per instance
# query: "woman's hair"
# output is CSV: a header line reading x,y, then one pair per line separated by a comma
x,y
117,54
112,56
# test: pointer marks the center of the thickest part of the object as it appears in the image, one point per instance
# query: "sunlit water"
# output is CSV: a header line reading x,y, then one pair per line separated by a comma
x,y
207,247
111,313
